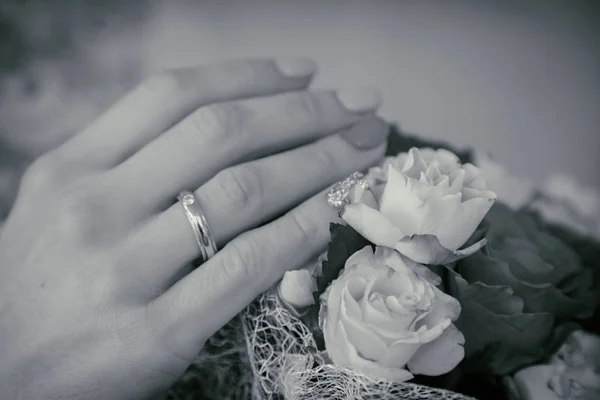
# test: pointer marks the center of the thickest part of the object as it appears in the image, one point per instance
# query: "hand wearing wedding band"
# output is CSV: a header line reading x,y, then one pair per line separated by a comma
x,y
97,296
202,233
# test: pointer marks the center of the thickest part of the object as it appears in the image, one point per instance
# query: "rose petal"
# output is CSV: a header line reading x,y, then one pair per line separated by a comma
x,y
400,264
362,256
398,354
474,178
336,343
355,285
433,173
462,253
377,309
434,332
374,318
366,342
457,177
401,203
331,301
379,281
443,183
388,281
437,211
424,272
342,353
372,225
401,309
455,231
414,163
424,249
297,287
440,356
399,200
444,307
358,194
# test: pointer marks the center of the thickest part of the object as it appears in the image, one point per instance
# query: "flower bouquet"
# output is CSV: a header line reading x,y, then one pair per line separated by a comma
x,y
442,280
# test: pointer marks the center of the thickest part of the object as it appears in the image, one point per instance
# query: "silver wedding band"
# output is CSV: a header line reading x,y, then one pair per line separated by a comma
x,y
202,233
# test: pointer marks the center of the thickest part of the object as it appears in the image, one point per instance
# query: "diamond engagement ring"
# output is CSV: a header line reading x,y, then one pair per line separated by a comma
x,y
202,233
338,194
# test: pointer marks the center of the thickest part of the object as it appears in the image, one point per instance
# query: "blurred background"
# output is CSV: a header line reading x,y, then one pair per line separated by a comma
x,y
519,79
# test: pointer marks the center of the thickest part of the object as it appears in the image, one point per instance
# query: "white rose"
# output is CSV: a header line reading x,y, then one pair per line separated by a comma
x,y
385,317
423,203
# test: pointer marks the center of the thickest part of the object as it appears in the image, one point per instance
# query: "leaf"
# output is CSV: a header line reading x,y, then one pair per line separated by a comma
x,y
537,297
345,241
497,299
500,357
499,337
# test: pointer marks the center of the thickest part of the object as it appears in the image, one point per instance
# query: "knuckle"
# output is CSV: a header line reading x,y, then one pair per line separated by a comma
x,y
244,71
241,259
164,83
242,187
45,171
301,229
328,158
307,104
81,210
215,121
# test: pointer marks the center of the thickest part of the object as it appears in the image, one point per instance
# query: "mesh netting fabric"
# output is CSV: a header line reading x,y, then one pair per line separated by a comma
x,y
286,363
274,356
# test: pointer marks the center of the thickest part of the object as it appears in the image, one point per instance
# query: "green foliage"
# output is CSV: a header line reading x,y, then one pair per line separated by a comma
x,y
500,337
588,250
516,291
541,269
345,241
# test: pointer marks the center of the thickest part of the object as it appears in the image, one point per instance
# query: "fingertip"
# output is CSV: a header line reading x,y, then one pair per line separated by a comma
x,y
360,100
369,133
296,67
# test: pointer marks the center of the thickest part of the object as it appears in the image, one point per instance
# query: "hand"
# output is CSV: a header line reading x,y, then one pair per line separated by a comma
x,y
96,298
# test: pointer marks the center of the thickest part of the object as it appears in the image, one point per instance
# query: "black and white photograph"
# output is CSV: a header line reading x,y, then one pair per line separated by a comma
x,y
299,200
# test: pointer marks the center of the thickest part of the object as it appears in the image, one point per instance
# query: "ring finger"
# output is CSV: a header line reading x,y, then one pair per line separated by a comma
x,y
203,301
245,196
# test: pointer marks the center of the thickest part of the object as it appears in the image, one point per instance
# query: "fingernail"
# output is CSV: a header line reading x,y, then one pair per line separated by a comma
x,y
368,133
360,100
297,67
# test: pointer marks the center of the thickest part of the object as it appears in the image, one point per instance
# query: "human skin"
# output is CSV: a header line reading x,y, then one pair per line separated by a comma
x,y
97,296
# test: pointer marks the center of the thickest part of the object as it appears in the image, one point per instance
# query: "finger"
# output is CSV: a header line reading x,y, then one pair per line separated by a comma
x,y
198,305
247,196
220,136
166,98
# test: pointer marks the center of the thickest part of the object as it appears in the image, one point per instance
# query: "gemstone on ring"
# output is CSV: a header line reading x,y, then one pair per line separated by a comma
x,y
337,197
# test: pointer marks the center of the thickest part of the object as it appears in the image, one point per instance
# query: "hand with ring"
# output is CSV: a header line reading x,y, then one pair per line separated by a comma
x,y
98,298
